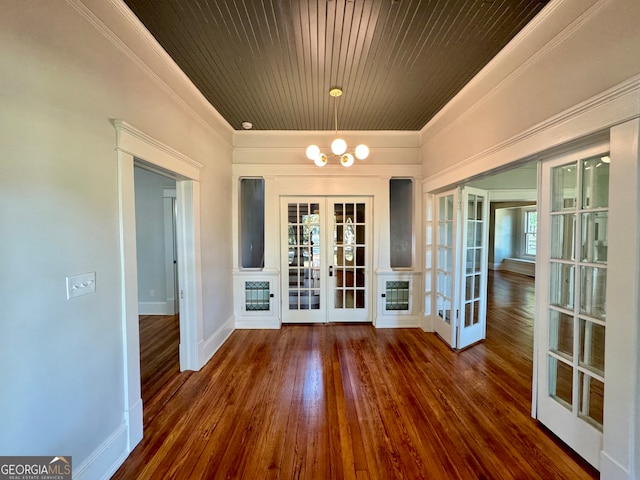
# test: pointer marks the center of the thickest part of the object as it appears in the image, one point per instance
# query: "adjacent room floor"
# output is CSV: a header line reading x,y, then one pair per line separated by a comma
x,y
350,401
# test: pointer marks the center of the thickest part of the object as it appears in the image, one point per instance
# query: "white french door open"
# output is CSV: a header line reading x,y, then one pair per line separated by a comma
x,y
325,255
572,256
461,266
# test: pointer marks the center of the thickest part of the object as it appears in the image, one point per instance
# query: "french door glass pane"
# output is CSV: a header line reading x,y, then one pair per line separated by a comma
x,y
592,346
594,237
591,400
304,256
593,287
561,381
595,183
349,255
561,333
471,207
561,285
468,314
471,233
564,183
563,236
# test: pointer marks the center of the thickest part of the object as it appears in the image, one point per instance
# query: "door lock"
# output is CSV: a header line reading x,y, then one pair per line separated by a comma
x,y
331,271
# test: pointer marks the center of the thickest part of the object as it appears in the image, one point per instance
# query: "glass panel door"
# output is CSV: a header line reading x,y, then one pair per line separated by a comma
x,y
571,379
444,323
325,259
473,274
348,275
302,260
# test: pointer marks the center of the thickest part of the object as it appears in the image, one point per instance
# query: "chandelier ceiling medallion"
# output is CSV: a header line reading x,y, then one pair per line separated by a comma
x,y
338,146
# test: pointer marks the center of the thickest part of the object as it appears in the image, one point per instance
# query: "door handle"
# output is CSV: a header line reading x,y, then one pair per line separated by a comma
x,y
331,270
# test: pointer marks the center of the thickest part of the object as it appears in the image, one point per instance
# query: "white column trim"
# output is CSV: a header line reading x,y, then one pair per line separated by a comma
x,y
134,146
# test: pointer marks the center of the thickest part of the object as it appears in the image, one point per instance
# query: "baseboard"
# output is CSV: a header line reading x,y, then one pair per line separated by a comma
x,y
210,346
248,323
612,470
155,308
398,322
106,459
426,324
134,418
518,265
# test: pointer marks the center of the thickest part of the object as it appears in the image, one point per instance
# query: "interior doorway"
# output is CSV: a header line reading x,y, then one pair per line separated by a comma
x,y
137,148
156,242
158,283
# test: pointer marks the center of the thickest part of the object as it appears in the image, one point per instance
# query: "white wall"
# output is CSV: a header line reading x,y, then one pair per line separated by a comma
x,y
570,76
64,75
546,78
153,291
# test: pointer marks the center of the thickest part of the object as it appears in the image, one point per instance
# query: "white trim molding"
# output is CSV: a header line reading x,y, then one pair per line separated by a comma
x,y
134,146
150,151
106,459
173,80
587,119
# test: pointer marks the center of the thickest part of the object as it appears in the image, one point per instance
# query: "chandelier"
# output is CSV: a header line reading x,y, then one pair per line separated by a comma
x,y
338,146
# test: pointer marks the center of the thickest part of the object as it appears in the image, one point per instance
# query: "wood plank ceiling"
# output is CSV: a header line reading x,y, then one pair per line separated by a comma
x,y
272,62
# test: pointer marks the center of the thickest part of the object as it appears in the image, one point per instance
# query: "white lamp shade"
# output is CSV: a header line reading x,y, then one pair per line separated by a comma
x,y
338,146
312,152
320,160
362,152
347,160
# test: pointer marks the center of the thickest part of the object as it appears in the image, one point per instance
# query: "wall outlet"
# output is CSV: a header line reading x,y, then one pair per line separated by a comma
x,y
82,284
152,293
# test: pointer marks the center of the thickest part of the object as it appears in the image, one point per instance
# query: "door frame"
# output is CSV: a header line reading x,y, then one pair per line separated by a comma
x,y
134,147
170,204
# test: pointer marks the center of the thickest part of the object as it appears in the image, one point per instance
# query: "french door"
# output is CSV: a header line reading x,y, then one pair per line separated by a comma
x,y
571,299
461,266
325,259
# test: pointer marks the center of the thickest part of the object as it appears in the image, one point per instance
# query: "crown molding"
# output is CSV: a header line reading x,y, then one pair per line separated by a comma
x,y
138,144
431,129
211,119
597,114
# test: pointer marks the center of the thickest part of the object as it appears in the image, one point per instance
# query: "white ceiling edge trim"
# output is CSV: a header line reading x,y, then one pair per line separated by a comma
x,y
432,128
282,139
613,106
144,147
360,171
216,121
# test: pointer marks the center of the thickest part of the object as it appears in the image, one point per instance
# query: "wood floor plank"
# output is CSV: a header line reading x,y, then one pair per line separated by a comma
x,y
351,402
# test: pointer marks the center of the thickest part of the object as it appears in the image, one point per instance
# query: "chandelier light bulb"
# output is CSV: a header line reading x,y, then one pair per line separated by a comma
x,y
320,160
347,160
362,152
313,151
338,146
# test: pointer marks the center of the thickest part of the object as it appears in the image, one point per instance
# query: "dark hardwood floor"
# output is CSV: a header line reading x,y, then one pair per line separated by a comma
x,y
354,402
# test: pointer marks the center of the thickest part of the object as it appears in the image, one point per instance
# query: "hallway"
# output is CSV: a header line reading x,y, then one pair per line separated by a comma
x,y
352,401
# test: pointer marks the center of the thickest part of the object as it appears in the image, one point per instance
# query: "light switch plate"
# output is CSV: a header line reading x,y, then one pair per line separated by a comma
x,y
81,284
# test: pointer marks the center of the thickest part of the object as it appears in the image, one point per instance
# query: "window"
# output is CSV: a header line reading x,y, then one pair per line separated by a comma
x,y
401,221
530,227
252,222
